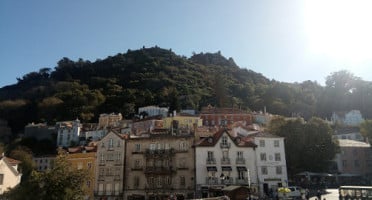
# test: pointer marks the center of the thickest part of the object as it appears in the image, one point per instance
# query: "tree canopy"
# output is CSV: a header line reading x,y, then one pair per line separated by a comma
x,y
309,145
154,76
62,182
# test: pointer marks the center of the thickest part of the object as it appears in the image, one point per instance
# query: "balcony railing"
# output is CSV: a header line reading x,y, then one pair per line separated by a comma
x,y
227,181
137,168
225,161
241,181
159,170
240,161
225,145
211,161
211,181
159,152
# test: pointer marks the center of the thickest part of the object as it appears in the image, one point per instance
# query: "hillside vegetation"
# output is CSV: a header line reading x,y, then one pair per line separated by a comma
x,y
154,76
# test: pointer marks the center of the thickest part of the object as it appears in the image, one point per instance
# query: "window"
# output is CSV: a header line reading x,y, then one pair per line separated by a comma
x,y
1,179
262,143
100,187
182,181
264,170
344,163
241,174
277,157
101,171
151,181
225,155
276,143
136,182
102,157
183,146
159,181
108,172
240,154
278,170
168,180
210,155
263,156
118,156
224,140
117,187
182,163
152,146
88,184
108,187
356,163
137,164
111,143
137,147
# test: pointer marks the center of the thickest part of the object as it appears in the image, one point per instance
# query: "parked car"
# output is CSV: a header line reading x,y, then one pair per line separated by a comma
x,y
291,192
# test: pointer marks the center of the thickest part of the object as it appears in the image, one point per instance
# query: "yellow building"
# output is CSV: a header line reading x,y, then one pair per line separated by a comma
x,y
84,158
183,121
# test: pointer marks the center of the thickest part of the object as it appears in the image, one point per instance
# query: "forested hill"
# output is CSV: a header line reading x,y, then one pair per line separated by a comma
x,y
154,76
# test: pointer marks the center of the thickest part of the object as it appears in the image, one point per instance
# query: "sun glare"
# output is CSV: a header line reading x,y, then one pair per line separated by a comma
x,y
340,29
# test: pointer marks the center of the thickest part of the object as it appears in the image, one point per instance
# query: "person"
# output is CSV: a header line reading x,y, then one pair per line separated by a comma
x,y
307,193
319,195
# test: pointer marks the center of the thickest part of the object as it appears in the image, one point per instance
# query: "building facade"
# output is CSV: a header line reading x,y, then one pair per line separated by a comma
x,y
271,162
68,133
224,117
109,182
84,158
10,175
223,160
159,166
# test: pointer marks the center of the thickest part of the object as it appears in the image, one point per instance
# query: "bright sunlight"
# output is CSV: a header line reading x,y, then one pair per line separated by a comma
x,y
340,29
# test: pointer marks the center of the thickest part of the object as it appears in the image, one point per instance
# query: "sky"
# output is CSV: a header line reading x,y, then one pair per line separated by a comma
x,y
286,40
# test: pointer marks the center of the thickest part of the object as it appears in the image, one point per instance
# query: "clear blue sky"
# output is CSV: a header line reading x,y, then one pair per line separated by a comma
x,y
290,41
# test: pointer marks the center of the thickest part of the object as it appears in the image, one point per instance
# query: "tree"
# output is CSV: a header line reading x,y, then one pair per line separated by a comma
x,y
24,155
308,145
366,129
60,183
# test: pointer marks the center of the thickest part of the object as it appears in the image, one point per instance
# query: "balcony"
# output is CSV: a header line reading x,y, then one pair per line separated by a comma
x,y
225,145
227,181
137,168
159,170
240,161
159,152
211,181
211,161
241,181
225,161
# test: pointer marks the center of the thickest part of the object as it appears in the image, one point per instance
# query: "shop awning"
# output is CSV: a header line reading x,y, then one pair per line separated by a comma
x,y
212,169
241,168
226,168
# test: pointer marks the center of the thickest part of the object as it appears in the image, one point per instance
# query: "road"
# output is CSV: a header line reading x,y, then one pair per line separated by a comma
x,y
332,194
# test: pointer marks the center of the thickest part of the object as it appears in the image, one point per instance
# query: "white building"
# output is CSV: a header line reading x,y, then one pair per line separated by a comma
x,y
154,110
222,160
43,163
9,174
271,162
351,118
68,133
